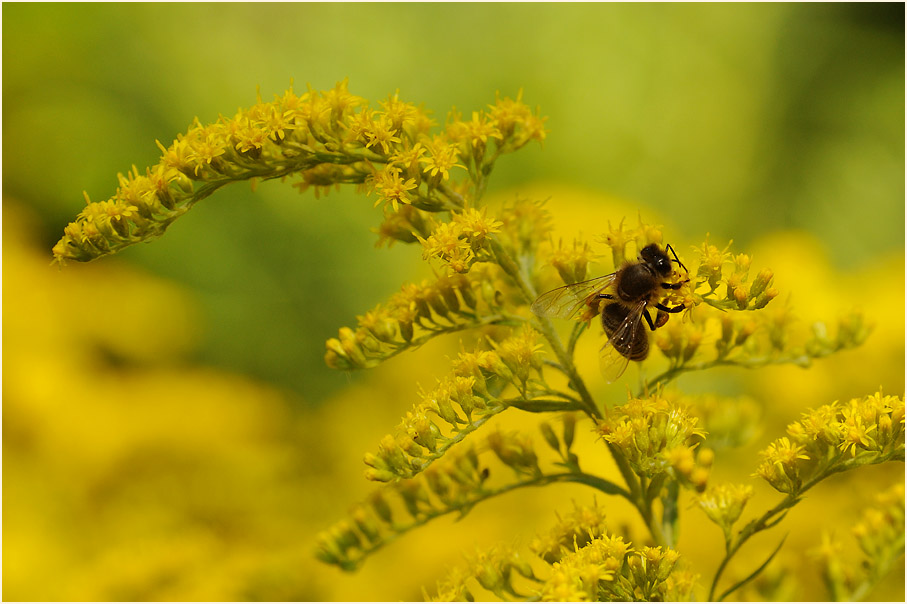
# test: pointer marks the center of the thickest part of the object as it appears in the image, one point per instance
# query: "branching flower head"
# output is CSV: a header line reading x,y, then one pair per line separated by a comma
x,y
330,138
780,465
868,430
656,435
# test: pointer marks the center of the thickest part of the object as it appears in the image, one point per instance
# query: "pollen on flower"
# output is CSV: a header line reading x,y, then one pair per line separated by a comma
x,y
441,160
818,424
856,434
476,224
507,112
391,187
247,137
381,132
408,160
784,452
176,156
711,262
204,144
475,132
779,465
339,100
445,243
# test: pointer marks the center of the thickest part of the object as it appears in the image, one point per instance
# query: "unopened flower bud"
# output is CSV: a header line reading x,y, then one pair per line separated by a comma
x,y
761,282
550,436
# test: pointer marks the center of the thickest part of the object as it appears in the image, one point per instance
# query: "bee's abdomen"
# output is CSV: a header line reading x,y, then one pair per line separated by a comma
x,y
632,342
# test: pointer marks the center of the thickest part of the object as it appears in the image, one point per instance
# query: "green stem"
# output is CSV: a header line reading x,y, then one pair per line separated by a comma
x,y
542,405
547,329
643,503
764,522
756,362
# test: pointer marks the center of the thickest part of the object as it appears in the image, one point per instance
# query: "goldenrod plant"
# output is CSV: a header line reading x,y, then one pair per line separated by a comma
x,y
712,309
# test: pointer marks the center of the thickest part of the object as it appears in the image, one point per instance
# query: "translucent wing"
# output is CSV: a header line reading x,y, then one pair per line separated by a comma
x,y
567,301
627,339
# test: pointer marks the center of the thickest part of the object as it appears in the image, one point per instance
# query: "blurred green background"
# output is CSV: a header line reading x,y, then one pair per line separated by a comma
x,y
731,119
739,120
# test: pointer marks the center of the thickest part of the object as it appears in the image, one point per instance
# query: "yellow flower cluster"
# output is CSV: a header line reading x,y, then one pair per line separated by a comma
x,y
835,437
575,530
453,588
526,224
494,570
607,569
723,504
580,562
719,268
456,484
619,237
571,262
457,406
882,525
473,291
582,575
371,524
416,314
657,435
328,138
772,336
780,465
462,241
650,569
680,341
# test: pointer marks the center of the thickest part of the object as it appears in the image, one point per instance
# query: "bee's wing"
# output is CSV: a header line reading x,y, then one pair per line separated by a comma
x,y
566,302
622,344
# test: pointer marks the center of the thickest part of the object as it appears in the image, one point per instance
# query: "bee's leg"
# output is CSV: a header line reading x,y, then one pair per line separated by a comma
x,y
663,314
594,299
664,308
674,285
648,317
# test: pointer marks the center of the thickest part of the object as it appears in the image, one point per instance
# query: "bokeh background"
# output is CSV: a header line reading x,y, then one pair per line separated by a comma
x,y
169,428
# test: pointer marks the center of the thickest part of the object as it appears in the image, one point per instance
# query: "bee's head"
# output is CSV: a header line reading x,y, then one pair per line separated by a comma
x,y
657,259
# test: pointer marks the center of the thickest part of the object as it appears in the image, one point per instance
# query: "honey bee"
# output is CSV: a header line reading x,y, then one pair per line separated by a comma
x,y
623,298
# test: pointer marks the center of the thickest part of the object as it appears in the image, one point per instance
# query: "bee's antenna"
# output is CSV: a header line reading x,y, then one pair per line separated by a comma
x,y
676,259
